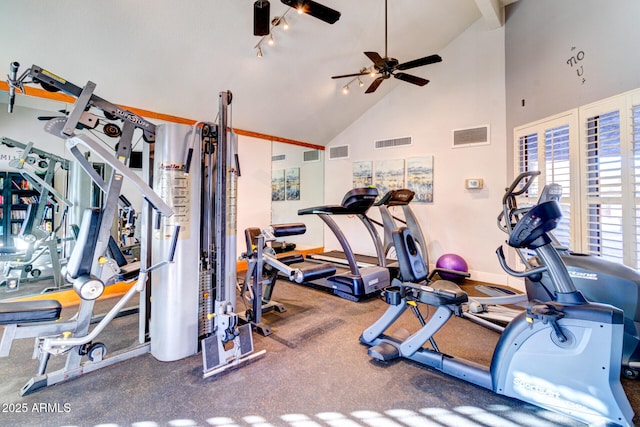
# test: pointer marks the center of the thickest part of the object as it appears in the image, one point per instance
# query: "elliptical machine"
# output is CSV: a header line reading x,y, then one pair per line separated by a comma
x,y
598,279
576,345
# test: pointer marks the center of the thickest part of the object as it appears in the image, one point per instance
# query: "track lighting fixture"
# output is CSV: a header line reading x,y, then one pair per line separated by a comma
x,y
261,18
278,21
363,71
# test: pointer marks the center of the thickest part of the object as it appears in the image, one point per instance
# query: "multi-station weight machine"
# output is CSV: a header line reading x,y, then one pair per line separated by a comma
x,y
184,309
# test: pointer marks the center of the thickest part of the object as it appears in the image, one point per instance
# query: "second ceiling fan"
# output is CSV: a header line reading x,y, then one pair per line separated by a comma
x,y
387,67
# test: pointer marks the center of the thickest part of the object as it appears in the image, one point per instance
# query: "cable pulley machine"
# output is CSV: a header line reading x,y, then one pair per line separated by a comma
x,y
176,243
225,343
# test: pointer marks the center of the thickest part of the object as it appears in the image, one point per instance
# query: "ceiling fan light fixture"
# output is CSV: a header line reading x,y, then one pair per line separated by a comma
x,y
345,89
271,39
386,67
259,53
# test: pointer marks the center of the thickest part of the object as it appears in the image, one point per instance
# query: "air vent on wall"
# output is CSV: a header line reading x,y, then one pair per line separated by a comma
x,y
311,156
470,136
339,152
394,142
278,157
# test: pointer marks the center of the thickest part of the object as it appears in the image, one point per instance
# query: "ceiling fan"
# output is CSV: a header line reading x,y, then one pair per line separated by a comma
x,y
387,67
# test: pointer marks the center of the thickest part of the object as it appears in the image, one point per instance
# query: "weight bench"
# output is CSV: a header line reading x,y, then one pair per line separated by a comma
x,y
263,267
29,311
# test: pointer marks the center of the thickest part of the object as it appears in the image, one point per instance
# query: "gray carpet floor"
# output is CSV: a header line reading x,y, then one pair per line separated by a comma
x,y
314,373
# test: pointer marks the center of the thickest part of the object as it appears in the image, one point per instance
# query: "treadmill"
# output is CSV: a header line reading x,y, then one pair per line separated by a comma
x,y
358,282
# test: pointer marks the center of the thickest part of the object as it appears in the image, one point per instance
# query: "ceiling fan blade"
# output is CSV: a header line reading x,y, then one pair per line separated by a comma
x,y
376,58
350,75
317,10
432,59
411,79
374,85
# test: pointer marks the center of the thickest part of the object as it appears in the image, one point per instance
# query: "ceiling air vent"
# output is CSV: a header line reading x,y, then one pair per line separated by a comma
x,y
278,157
470,136
311,156
339,152
394,142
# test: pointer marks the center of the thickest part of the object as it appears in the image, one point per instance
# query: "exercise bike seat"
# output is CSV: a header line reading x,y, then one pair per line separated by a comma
x,y
443,292
357,201
29,311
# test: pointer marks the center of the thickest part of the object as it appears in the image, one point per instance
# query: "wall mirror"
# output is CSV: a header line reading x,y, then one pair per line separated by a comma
x,y
297,177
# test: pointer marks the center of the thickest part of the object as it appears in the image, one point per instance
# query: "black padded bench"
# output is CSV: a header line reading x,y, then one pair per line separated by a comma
x,y
29,311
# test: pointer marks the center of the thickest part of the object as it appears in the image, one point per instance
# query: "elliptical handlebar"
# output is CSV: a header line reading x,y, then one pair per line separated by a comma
x,y
509,206
532,273
511,191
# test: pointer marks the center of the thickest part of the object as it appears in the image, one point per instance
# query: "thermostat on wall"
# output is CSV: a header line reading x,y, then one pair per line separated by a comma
x,y
474,183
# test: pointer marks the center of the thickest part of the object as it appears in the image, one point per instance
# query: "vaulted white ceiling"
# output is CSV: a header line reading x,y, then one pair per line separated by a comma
x,y
174,57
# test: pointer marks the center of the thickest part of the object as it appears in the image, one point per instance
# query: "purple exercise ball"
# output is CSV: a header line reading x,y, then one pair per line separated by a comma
x,y
452,262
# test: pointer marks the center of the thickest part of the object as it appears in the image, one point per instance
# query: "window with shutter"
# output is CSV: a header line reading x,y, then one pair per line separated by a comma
x,y
599,170
603,189
545,146
557,170
635,153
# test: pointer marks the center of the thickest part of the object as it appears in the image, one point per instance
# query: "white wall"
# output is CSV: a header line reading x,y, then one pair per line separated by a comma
x,y
466,90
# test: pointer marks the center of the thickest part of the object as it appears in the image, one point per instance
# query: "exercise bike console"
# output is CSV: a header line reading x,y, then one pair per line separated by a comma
x,y
531,231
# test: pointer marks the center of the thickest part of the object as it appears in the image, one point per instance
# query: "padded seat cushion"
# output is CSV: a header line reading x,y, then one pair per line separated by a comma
x,y
444,293
29,311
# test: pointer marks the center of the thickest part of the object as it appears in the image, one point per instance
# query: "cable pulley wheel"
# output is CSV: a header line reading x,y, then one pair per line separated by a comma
x,y
112,130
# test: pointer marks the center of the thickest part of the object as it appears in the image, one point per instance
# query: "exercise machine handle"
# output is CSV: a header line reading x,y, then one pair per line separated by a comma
x,y
174,243
526,273
509,206
438,270
511,191
13,76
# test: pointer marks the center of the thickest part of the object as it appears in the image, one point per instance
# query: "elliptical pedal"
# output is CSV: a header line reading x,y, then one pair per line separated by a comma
x,y
385,350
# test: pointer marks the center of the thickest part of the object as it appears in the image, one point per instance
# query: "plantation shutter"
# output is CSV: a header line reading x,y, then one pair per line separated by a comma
x,y
545,146
603,181
557,170
635,154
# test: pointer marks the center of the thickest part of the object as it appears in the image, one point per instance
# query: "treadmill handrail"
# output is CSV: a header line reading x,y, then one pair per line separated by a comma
x,y
346,247
357,201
